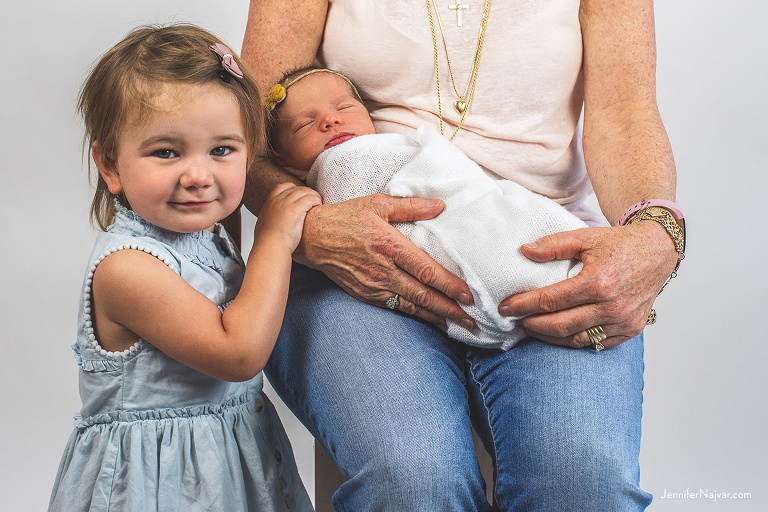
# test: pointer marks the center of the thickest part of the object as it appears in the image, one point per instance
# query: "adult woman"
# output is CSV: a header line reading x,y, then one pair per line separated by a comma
x,y
388,396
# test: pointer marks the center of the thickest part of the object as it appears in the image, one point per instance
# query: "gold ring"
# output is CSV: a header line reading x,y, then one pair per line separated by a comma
x,y
596,337
651,318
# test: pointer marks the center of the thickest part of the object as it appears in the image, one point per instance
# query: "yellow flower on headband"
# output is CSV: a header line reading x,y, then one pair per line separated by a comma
x,y
275,96
278,91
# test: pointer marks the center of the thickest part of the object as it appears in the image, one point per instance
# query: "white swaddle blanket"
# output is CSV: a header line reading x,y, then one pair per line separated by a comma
x,y
479,233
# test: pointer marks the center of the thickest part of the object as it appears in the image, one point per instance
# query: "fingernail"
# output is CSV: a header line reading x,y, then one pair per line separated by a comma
x,y
468,324
465,298
505,311
433,202
531,245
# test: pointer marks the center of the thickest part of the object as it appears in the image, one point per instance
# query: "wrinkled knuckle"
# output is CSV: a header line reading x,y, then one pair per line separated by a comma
x,y
426,273
613,310
423,298
547,302
373,276
598,288
560,329
549,240
408,307
380,243
378,199
601,289
364,291
574,342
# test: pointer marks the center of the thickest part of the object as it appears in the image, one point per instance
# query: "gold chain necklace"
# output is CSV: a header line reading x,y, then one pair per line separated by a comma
x,y
462,105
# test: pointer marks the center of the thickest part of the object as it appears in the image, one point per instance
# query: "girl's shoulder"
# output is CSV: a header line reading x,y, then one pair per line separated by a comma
x,y
109,242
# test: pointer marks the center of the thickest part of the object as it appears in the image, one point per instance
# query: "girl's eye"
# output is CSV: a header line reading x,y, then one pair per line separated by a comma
x,y
221,151
165,153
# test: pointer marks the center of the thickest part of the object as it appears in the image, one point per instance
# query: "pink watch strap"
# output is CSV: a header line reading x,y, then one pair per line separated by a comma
x,y
675,210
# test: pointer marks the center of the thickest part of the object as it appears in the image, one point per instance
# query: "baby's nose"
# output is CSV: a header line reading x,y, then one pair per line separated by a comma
x,y
331,119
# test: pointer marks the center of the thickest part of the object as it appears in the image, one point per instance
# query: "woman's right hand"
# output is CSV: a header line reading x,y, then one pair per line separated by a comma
x,y
354,244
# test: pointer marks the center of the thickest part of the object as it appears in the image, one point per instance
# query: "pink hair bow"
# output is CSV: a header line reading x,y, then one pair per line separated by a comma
x,y
227,60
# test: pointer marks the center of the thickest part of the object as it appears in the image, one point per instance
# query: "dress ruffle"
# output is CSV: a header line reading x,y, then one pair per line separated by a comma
x,y
94,365
153,461
160,414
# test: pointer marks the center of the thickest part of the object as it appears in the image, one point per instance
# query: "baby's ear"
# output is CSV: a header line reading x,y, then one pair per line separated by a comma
x,y
277,157
107,169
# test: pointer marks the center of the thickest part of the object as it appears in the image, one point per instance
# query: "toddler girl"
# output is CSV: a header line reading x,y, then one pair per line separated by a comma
x,y
170,354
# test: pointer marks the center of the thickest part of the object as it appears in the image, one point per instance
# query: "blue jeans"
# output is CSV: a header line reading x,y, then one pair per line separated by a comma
x,y
393,401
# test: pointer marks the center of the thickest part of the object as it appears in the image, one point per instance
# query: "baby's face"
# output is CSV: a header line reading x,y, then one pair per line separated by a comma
x,y
320,111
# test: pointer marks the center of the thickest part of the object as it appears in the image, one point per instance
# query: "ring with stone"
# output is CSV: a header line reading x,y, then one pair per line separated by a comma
x,y
596,337
651,318
393,302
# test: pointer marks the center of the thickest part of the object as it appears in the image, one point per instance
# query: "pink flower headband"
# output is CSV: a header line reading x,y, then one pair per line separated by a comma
x,y
227,62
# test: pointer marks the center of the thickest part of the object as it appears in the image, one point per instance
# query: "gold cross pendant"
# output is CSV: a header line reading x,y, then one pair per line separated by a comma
x,y
458,7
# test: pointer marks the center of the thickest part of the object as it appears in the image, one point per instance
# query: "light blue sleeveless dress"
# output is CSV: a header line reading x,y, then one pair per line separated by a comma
x,y
156,435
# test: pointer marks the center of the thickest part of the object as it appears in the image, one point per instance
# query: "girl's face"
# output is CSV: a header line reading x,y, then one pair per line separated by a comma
x,y
183,168
320,112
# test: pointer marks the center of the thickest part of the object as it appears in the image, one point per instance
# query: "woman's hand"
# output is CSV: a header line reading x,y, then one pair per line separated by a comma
x,y
353,243
624,270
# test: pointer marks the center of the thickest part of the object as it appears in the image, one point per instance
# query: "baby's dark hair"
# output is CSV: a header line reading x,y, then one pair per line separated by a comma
x,y
288,79
128,79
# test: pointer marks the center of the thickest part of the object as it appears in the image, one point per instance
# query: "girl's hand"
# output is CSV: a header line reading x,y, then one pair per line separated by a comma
x,y
353,243
283,214
624,270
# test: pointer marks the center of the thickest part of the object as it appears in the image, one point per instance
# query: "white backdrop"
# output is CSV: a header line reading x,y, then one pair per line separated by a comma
x,y
705,414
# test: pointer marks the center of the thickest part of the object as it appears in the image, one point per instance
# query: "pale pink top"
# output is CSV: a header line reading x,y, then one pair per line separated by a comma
x,y
523,123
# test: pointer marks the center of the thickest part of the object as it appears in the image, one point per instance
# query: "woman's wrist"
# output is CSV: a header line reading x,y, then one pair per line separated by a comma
x,y
636,208
303,252
666,213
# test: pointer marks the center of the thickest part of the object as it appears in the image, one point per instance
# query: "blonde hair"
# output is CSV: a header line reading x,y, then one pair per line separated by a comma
x,y
129,76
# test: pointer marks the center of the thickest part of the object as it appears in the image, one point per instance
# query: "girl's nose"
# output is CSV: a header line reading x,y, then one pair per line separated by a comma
x,y
196,175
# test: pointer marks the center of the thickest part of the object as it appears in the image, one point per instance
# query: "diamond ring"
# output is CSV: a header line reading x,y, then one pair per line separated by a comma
x,y
393,302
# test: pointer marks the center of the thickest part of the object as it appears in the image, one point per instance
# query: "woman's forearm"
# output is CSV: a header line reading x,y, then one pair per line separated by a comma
x,y
626,149
263,176
281,36
629,161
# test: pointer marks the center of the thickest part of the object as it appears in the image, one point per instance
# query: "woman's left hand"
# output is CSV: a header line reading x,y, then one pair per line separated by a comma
x,y
624,270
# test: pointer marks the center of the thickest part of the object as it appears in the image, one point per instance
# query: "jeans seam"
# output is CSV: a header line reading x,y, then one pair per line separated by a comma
x,y
491,429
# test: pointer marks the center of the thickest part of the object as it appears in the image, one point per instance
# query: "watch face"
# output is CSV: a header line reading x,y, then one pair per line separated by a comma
x,y
656,212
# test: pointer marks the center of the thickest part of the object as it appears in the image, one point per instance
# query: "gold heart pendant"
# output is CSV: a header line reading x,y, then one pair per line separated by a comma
x,y
460,106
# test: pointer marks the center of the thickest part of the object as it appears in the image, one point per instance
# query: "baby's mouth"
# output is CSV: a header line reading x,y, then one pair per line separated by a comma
x,y
338,139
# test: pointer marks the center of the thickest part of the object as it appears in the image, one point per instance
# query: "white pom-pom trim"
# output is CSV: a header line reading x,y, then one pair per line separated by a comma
x,y
87,301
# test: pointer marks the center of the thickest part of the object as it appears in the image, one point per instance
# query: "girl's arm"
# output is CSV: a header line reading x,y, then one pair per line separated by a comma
x,y
136,295
628,158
